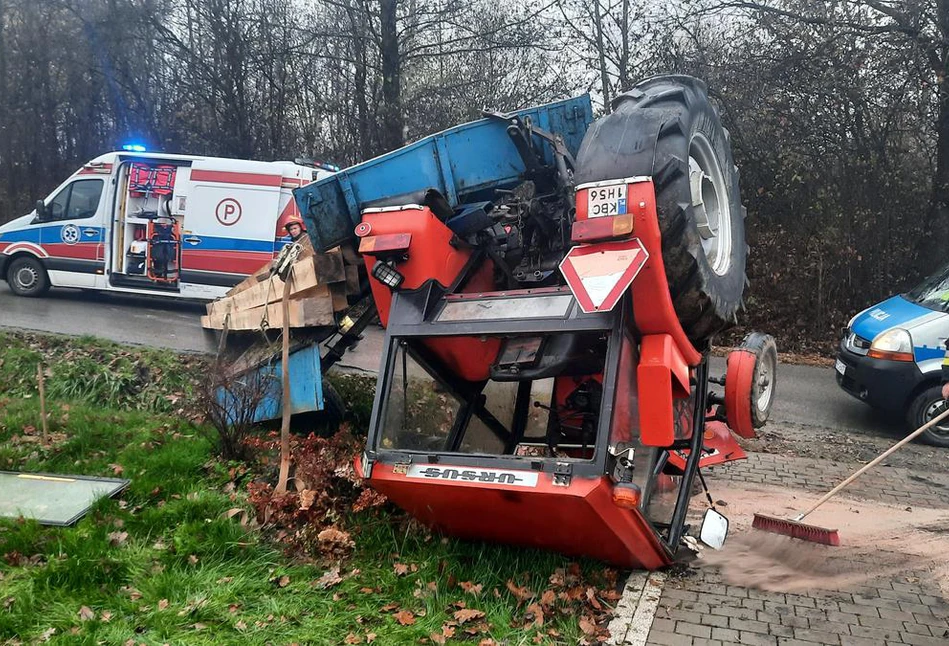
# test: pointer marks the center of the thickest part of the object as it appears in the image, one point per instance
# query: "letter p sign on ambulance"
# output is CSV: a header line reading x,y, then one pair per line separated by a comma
x,y
228,211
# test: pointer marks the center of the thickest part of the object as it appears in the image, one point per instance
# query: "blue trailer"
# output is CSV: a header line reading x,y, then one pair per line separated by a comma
x,y
467,163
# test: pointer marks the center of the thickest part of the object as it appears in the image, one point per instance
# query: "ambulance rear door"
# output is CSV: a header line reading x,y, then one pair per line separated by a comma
x,y
228,213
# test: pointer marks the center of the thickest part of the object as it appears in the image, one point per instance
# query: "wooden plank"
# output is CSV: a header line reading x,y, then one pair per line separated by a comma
x,y
270,291
314,308
340,302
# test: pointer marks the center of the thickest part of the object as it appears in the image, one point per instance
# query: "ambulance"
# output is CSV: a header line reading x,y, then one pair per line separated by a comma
x,y
151,223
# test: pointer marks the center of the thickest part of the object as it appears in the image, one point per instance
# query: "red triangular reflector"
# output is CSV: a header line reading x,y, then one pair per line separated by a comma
x,y
599,274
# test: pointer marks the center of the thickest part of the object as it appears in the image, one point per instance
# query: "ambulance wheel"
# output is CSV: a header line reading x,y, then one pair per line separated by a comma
x,y
666,128
927,405
27,277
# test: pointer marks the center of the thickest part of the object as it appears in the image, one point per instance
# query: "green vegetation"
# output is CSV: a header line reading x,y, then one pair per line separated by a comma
x,y
169,561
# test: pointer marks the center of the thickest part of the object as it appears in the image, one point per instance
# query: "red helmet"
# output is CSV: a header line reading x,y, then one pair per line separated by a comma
x,y
294,219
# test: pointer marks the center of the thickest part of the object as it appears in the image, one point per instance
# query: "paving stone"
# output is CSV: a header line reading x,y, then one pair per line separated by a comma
x,y
922,640
699,641
880,622
850,640
725,634
756,639
930,620
737,613
875,633
748,625
816,636
695,630
854,609
668,639
715,621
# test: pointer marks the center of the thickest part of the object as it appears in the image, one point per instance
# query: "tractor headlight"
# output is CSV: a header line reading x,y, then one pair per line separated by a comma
x,y
892,345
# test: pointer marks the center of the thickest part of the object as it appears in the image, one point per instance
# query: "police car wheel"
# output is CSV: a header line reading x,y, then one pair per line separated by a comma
x,y
666,128
927,405
27,277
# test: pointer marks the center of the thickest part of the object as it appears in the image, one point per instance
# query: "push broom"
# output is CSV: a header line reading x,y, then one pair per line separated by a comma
x,y
796,529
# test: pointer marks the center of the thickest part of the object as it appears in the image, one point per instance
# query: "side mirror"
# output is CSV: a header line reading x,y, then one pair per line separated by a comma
x,y
41,212
714,529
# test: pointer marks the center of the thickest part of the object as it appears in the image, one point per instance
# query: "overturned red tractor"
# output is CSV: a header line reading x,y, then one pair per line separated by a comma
x,y
550,287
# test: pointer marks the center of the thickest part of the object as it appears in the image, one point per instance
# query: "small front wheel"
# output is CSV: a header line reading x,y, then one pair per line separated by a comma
x,y
27,277
927,405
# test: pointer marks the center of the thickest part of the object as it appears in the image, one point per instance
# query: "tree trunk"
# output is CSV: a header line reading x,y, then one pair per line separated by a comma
x,y
601,55
392,122
931,250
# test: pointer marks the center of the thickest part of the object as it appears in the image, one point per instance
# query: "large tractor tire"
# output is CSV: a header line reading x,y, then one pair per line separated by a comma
x,y
666,128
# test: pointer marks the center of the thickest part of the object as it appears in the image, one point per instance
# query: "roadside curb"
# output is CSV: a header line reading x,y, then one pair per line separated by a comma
x,y
636,609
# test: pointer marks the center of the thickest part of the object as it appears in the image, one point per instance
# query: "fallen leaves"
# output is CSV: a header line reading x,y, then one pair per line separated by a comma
x,y
330,578
163,604
117,538
404,617
465,615
86,614
521,593
471,588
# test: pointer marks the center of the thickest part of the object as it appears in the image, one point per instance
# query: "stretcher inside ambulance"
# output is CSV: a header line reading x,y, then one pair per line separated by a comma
x,y
177,225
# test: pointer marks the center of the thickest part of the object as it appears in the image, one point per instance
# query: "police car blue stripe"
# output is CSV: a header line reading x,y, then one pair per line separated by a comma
x,y
893,312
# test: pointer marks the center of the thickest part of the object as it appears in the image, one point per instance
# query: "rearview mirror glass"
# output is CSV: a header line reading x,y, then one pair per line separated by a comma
x,y
40,210
714,529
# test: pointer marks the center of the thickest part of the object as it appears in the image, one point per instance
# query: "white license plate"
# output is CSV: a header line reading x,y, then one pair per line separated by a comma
x,y
605,201
841,367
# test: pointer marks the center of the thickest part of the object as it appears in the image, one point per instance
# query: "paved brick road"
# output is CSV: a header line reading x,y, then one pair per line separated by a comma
x,y
700,609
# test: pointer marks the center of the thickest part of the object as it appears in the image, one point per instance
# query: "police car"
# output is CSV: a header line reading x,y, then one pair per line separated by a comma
x,y
891,355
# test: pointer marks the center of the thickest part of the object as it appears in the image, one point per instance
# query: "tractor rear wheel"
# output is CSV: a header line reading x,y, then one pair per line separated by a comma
x,y
666,128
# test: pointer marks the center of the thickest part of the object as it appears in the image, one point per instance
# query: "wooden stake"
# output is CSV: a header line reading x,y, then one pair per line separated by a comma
x,y
285,404
39,379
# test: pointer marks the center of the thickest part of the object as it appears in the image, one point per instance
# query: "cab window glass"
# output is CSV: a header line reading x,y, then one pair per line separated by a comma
x,y
933,292
77,201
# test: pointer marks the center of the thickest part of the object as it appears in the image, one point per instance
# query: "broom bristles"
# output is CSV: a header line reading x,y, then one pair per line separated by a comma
x,y
796,529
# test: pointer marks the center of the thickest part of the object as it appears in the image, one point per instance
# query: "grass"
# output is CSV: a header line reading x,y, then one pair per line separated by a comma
x,y
164,564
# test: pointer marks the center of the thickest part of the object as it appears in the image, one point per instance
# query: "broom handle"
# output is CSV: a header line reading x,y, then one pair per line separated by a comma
x,y
909,438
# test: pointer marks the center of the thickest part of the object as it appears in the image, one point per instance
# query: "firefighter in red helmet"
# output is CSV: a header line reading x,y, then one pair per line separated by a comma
x,y
294,226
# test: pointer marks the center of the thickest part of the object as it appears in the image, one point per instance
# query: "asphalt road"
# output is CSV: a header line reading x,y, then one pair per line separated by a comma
x,y
805,395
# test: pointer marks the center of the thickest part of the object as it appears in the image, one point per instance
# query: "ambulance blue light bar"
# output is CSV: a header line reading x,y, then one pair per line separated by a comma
x,y
134,148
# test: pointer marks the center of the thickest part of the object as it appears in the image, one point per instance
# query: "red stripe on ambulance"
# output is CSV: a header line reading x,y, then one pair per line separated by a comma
x,y
230,177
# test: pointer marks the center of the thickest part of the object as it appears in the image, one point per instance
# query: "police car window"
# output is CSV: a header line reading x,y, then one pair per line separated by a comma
x,y
84,199
933,292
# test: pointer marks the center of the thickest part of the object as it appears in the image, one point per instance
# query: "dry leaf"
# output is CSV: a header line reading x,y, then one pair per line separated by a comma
x,y
117,469
199,626
535,615
329,578
49,632
351,638
487,641
467,614
522,593
548,598
307,498
192,559
241,625
86,614
163,604
370,637
587,626
117,538
405,617
401,569
471,588
388,607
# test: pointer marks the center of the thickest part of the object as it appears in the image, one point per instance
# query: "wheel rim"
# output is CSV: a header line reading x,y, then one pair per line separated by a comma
x,y
710,204
764,381
932,411
26,277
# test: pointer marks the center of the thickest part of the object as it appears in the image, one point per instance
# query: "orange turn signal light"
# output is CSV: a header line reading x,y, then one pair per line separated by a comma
x,y
390,242
602,228
626,495
890,356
